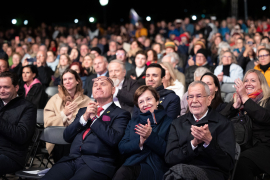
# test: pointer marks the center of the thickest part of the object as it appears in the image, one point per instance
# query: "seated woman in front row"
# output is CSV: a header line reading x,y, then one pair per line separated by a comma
x,y
145,139
252,98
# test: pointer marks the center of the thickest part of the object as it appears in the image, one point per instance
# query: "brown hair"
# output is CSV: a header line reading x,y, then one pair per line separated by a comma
x,y
142,52
67,56
62,92
141,90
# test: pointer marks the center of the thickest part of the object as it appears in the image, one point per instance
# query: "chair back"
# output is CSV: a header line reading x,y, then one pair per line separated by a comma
x,y
40,116
54,135
51,91
228,88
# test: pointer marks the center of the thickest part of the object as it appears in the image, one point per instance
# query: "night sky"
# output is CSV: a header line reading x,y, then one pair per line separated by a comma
x,y
117,11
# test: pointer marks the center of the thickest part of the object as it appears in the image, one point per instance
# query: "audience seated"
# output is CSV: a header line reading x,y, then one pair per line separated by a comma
x,y
17,125
146,146
228,71
76,66
100,66
121,55
170,82
124,87
16,66
62,108
64,63
87,64
200,71
200,143
94,134
138,73
201,61
252,98
264,63
4,66
33,89
111,54
168,99
174,59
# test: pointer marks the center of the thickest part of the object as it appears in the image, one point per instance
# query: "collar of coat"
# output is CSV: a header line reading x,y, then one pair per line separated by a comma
x,y
209,117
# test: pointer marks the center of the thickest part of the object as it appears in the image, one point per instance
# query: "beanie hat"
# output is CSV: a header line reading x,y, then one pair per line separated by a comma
x,y
169,45
203,51
97,49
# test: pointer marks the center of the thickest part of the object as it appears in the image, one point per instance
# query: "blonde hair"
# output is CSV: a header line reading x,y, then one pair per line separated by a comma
x,y
222,54
92,56
263,83
171,71
67,56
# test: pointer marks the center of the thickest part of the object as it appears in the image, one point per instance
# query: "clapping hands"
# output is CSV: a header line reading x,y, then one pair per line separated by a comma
x,y
144,131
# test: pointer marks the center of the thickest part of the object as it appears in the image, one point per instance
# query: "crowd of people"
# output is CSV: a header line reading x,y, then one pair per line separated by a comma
x,y
139,102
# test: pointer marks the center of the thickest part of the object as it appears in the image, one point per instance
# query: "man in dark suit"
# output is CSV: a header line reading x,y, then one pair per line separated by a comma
x,y
168,99
17,125
202,138
100,65
124,87
94,134
138,73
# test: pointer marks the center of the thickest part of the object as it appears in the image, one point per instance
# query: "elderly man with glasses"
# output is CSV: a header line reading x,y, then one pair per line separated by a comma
x,y
201,143
94,134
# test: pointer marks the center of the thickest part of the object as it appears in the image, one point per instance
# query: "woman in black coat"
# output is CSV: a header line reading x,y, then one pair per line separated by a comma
x,y
145,139
33,89
252,98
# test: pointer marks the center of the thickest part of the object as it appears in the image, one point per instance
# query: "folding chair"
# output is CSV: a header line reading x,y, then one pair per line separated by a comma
x,y
237,155
227,91
52,134
51,91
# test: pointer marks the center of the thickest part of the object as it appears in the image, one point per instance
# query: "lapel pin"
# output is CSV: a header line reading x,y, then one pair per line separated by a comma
x,y
108,112
160,102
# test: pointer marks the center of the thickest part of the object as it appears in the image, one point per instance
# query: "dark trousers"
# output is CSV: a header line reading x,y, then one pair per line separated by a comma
x,y
127,173
73,170
7,165
246,169
60,151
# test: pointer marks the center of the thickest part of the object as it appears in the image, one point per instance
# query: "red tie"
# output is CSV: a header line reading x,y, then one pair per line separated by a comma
x,y
197,120
88,129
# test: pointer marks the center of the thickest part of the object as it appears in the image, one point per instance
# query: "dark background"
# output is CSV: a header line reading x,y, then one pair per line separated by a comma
x,y
117,11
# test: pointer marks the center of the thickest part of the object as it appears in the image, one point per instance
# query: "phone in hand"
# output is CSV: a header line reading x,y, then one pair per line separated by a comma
x,y
30,60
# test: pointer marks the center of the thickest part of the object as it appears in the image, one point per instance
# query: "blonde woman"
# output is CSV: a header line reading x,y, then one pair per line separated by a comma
x,y
228,71
87,64
169,80
135,46
63,107
64,63
252,98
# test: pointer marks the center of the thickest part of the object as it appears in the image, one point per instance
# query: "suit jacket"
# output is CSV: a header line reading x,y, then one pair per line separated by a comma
x,y
140,79
217,159
168,100
17,126
99,149
89,84
125,95
37,96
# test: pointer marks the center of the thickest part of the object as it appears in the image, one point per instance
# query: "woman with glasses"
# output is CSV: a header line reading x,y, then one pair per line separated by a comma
x,y
145,139
228,70
62,108
264,66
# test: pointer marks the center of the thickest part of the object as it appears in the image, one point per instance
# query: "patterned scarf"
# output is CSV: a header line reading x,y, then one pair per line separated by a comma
x,y
255,96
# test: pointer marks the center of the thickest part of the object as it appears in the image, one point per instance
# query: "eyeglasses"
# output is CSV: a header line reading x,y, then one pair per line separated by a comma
x,y
148,99
103,78
199,97
263,56
120,54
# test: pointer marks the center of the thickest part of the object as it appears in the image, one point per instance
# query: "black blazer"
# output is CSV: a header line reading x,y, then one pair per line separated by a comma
x,y
99,149
89,84
37,96
140,79
17,126
45,75
126,94
217,159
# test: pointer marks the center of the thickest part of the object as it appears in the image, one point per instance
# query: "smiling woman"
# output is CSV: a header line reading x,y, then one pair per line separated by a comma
x,y
264,66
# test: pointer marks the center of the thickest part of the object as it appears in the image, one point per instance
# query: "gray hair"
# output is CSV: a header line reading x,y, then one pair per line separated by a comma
x,y
114,42
174,57
206,87
119,62
200,71
222,55
223,45
63,45
267,46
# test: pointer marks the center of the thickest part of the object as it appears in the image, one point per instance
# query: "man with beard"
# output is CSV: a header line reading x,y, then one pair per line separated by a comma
x,y
124,87
168,99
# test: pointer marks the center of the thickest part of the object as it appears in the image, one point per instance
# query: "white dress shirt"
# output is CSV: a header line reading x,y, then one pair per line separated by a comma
x,y
82,120
139,71
204,145
115,99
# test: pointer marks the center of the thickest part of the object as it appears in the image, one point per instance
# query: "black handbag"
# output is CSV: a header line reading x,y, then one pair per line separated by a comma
x,y
242,129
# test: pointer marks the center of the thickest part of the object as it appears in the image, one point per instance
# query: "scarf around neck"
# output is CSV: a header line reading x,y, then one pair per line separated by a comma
x,y
255,96
27,88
